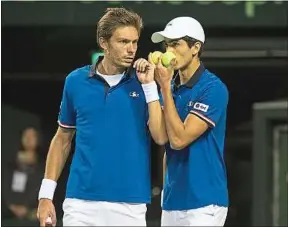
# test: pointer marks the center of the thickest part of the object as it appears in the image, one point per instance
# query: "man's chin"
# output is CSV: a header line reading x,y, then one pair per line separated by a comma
x,y
177,67
127,64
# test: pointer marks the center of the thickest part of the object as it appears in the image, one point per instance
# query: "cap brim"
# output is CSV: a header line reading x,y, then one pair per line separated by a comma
x,y
158,37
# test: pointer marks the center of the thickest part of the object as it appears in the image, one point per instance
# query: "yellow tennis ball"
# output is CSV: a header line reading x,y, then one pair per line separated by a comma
x,y
155,56
167,58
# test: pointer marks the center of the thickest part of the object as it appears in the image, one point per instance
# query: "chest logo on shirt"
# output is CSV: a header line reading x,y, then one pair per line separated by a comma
x,y
133,94
201,106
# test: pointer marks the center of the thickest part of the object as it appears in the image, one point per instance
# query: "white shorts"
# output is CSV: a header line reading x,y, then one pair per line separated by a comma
x,y
97,213
205,216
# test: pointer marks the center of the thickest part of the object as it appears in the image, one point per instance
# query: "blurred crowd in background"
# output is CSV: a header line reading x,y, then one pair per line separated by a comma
x,y
246,47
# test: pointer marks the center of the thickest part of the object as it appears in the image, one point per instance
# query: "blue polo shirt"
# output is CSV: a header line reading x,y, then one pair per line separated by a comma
x,y
112,154
196,175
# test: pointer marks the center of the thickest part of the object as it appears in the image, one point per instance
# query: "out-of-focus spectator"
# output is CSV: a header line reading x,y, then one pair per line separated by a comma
x,y
22,178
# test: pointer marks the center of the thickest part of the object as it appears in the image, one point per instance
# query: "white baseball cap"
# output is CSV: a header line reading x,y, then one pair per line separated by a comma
x,y
180,27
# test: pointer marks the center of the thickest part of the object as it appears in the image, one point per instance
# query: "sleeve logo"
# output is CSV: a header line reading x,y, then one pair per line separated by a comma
x,y
201,106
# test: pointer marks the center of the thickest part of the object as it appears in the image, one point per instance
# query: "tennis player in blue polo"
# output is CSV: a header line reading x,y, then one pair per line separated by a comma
x,y
113,108
195,184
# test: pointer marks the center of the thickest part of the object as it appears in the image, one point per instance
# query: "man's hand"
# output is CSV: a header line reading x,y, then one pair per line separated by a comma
x,y
46,209
144,70
163,75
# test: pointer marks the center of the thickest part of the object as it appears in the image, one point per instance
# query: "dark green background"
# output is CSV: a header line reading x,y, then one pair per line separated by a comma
x,y
154,13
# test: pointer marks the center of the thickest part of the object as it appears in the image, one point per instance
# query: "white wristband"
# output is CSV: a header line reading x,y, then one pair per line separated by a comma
x,y
150,91
47,189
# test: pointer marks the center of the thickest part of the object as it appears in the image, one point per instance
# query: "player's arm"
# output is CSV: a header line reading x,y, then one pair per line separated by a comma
x,y
212,103
61,142
156,123
58,153
145,72
156,115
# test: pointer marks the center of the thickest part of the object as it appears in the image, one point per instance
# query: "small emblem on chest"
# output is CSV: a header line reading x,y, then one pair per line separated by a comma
x,y
133,94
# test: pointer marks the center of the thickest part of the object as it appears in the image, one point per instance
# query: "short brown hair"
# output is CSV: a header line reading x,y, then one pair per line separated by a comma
x,y
191,42
115,18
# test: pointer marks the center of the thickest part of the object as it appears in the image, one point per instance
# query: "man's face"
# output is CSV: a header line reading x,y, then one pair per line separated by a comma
x,y
184,54
122,46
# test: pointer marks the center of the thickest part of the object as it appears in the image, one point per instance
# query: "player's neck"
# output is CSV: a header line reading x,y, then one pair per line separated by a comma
x,y
189,71
107,67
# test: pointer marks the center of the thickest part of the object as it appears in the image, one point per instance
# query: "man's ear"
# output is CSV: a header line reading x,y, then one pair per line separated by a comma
x,y
103,43
196,48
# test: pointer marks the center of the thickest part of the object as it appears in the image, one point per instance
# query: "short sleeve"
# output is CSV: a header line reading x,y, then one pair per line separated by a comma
x,y
67,116
211,104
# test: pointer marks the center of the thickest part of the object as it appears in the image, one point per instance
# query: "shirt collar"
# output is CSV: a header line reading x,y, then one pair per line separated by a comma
x,y
93,69
194,78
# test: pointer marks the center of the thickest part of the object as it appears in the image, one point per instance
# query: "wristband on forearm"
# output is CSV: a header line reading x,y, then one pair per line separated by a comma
x,y
150,91
47,189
